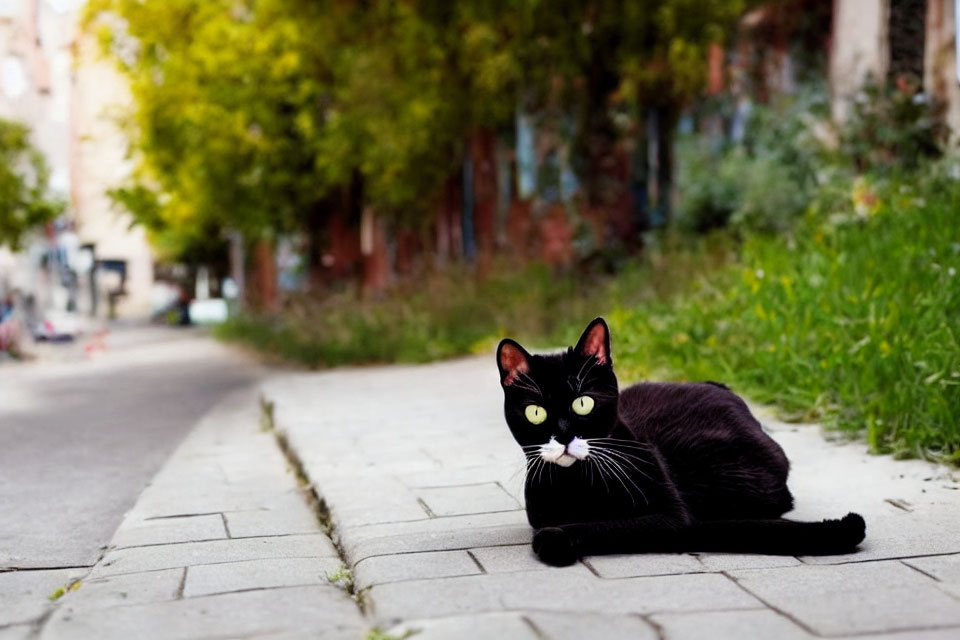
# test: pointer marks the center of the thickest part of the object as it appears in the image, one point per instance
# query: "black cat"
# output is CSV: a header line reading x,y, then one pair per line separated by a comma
x,y
657,467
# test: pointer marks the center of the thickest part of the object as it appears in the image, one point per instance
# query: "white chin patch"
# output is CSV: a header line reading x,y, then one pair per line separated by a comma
x,y
565,460
564,456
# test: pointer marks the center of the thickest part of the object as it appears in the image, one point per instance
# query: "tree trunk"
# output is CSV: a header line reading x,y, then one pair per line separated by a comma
x,y
482,151
373,247
262,293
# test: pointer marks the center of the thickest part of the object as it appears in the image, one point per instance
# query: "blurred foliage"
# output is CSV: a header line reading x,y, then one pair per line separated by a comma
x,y
258,115
762,182
793,157
850,319
440,314
891,127
25,200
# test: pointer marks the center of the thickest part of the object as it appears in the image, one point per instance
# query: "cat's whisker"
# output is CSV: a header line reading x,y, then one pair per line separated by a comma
x,y
621,474
635,443
635,454
618,444
627,460
627,452
599,473
612,468
540,468
531,470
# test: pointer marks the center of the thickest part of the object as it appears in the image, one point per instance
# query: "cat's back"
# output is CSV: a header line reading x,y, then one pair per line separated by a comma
x,y
660,409
716,450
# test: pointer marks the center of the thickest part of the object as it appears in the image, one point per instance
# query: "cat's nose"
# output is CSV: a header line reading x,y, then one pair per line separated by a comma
x,y
564,434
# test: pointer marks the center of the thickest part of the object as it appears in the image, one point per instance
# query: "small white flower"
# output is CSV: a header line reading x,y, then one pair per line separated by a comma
x,y
760,274
951,272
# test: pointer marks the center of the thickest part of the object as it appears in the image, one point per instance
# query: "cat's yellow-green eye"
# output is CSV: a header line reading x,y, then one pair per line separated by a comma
x,y
535,414
583,405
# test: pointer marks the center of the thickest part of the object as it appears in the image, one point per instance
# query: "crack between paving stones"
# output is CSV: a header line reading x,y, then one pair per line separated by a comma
x,y
770,606
41,622
451,486
226,527
25,569
866,560
426,509
210,564
312,497
183,584
656,626
921,571
205,540
537,631
183,515
406,553
525,611
590,567
476,562
129,605
874,634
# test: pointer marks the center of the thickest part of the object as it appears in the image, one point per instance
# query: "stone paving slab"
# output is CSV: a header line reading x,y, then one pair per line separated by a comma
x,y
756,623
414,566
854,598
172,530
131,588
573,626
185,554
653,564
176,568
262,573
301,612
396,479
17,632
473,627
25,595
270,522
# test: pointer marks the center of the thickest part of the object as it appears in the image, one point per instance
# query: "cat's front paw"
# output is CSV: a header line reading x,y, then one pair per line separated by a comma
x,y
554,546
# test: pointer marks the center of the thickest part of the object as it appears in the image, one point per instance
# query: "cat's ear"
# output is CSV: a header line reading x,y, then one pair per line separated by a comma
x,y
513,361
595,342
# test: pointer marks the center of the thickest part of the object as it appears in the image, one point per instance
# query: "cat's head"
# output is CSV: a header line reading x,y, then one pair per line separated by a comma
x,y
555,404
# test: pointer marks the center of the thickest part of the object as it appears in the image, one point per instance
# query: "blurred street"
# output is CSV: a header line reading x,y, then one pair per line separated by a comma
x,y
81,435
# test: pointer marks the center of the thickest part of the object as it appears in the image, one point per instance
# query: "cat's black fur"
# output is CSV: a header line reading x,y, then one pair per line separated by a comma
x,y
672,467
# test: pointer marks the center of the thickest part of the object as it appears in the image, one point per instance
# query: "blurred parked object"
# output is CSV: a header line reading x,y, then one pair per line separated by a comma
x,y
210,311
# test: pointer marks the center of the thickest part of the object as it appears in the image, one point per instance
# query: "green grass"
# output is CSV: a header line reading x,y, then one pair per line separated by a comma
x,y
852,320
435,315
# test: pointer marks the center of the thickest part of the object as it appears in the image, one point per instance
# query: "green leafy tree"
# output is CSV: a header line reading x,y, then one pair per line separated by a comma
x,y
226,97
267,116
25,201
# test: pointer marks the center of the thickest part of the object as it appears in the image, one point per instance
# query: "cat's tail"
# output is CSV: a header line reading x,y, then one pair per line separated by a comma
x,y
774,537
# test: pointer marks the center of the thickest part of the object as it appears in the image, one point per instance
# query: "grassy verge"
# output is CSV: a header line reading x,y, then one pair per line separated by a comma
x,y
438,315
852,319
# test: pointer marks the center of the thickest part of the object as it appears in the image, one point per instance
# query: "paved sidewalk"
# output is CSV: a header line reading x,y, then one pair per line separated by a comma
x,y
222,544
424,487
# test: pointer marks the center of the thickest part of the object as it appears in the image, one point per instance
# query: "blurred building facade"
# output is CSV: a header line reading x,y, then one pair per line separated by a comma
x,y
883,39
92,259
